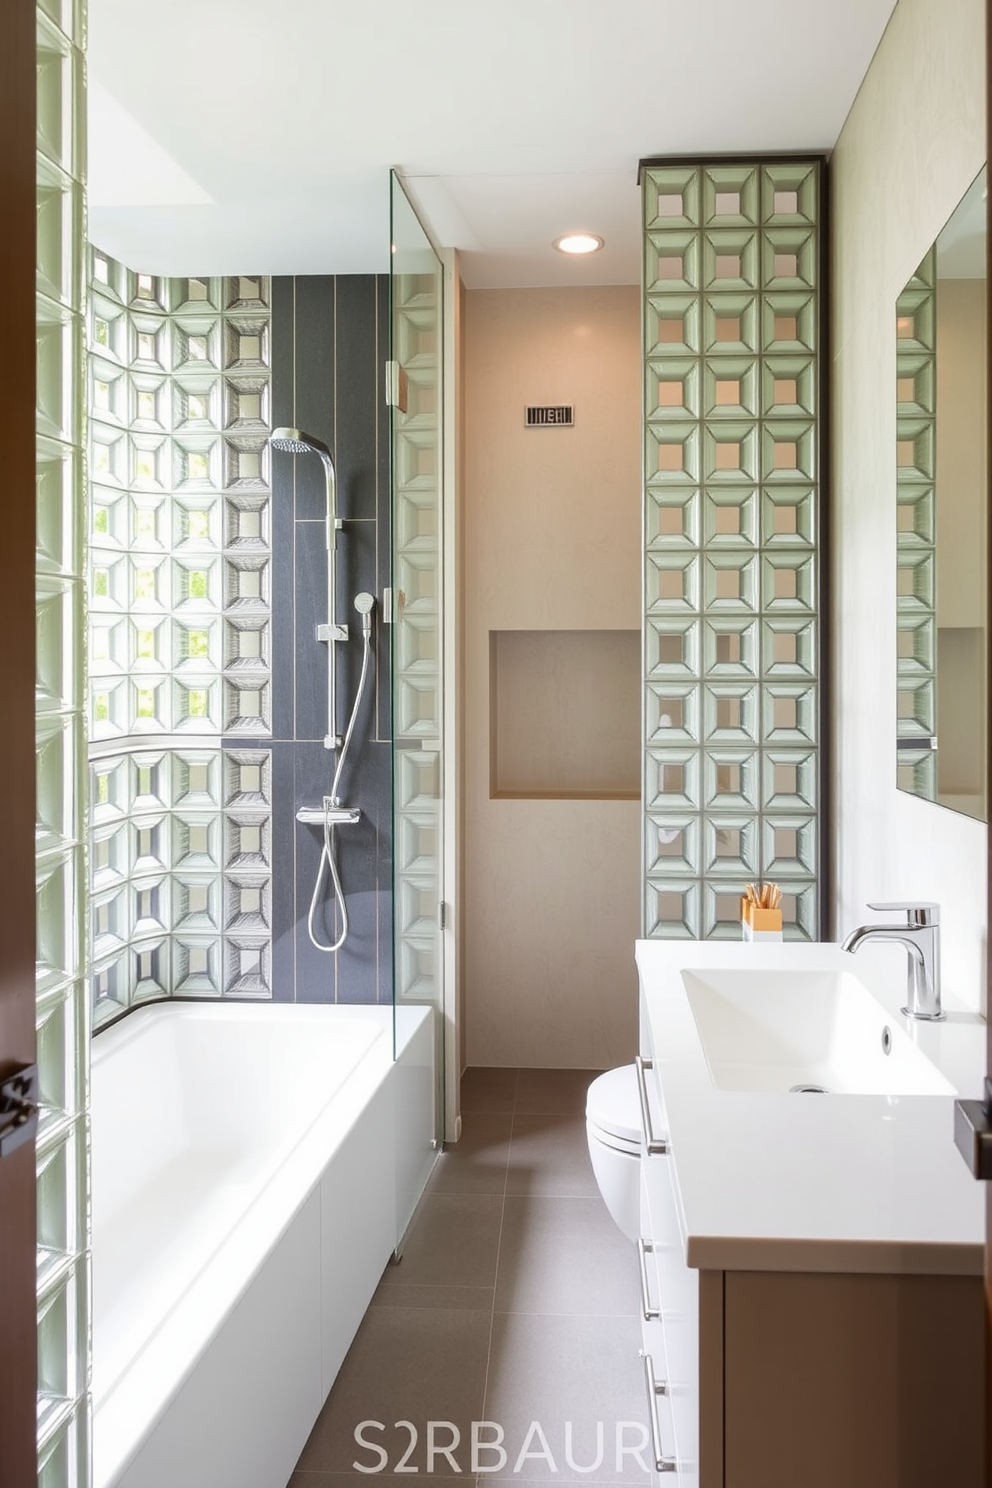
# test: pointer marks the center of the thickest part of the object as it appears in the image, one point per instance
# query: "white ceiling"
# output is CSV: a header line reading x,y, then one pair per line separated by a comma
x,y
229,136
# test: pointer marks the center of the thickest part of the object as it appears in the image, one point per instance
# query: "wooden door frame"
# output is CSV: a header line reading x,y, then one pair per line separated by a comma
x,y
18,1308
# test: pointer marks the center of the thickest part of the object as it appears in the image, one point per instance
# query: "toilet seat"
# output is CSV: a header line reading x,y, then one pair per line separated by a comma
x,y
613,1111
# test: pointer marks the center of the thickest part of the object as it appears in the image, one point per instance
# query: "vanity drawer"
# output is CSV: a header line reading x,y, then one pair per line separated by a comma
x,y
670,1293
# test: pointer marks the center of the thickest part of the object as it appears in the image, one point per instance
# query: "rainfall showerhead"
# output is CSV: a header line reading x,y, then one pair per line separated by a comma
x,y
295,442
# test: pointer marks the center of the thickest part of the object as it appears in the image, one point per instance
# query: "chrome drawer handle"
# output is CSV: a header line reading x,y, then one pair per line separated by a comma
x,y
655,1388
654,1146
643,1247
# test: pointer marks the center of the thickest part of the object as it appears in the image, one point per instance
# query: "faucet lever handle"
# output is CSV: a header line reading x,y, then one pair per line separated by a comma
x,y
917,911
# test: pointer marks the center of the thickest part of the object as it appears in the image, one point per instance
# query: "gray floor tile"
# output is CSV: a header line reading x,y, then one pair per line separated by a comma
x,y
564,1255
472,1298
491,1090
476,1163
453,1242
559,1370
549,1155
541,1091
406,1364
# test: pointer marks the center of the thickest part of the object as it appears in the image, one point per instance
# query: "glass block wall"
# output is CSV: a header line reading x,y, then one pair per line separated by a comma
x,y
732,336
63,1020
179,626
916,577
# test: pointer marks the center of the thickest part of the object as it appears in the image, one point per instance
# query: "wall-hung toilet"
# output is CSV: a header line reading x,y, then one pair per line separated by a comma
x,y
613,1131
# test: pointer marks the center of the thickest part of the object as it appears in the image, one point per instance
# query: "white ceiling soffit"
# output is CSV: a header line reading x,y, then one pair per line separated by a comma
x,y
515,122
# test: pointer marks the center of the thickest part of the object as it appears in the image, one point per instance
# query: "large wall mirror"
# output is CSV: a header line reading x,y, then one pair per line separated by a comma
x,y
941,489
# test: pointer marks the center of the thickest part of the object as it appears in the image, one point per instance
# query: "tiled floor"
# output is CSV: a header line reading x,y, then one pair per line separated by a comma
x,y
516,1302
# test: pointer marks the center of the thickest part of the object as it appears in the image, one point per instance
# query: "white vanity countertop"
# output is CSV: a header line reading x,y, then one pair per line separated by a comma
x,y
813,1183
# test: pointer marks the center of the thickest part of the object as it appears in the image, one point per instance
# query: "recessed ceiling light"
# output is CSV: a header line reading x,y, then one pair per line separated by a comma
x,y
578,242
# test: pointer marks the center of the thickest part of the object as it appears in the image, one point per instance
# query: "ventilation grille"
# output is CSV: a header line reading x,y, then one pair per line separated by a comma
x,y
544,416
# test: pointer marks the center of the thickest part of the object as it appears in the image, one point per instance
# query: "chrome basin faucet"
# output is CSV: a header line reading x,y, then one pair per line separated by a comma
x,y
921,937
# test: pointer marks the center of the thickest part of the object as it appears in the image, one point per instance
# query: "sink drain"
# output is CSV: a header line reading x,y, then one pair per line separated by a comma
x,y
808,1090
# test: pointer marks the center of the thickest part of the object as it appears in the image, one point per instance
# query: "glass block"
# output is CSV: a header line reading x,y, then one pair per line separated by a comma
x,y
416,713
672,909
110,984
788,450
58,678
57,807
151,970
789,780
788,386
248,845
150,781
61,1193
58,81
916,645
196,966
673,453
196,345
916,389
730,259
730,323
916,772
108,799
416,913
110,455
246,582
196,297
672,325
417,843
110,855
196,903
730,389
671,261
672,713
916,706
149,462
800,911
721,912
196,464
196,582
197,645
730,713
196,778
108,332
417,779
246,644
789,194
247,521
108,393
788,581
196,522
150,403
672,647
916,329
150,845
788,258
416,969
915,515
247,705
145,291
149,519
57,881
730,195
245,464
196,841
672,518
788,647
789,713
248,969
915,580
246,342
730,646
730,518
789,845
671,843
247,292
147,644
788,517
730,843
672,388
730,581
672,779
248,906
149,908
62,1333
57,470
57,340
671,582
196,705
915,450
149,343
110,922
788,322
196,402
672,197
730,779
246,404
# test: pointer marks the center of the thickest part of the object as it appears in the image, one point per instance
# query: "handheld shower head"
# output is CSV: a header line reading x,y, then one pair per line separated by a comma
x,y
295,442
365,604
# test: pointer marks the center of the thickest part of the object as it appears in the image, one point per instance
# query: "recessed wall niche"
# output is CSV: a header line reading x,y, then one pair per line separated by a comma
x,y
565,714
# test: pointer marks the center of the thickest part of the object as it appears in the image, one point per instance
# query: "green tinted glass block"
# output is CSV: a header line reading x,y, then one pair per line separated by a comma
x,y
672,582
916,323
730,582
730,452
788,582
730,259
730,645
672,713
673,453
730,847
672,647
730,388
671,196
916,706
731,713
730,324
916,645
673,908
915,450
673,325
789,194
915,581
916,772
789,647
788,386
788,516
671,261
788,259
721,909
672,388
730,518
788,780
672,517
730,779
672,778
789,713
730,195
788,322
671,843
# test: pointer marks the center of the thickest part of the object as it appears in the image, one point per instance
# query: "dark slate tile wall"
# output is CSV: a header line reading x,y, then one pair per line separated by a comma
x,y
329,345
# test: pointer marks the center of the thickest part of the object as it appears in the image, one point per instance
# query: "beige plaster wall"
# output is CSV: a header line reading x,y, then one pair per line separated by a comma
x,y
913,142
552,533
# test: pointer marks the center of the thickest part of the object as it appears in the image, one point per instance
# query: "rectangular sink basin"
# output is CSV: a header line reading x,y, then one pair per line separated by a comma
x,y
778,1030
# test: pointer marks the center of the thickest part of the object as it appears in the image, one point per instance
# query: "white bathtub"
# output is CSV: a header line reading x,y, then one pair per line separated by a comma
x,y
253,1169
